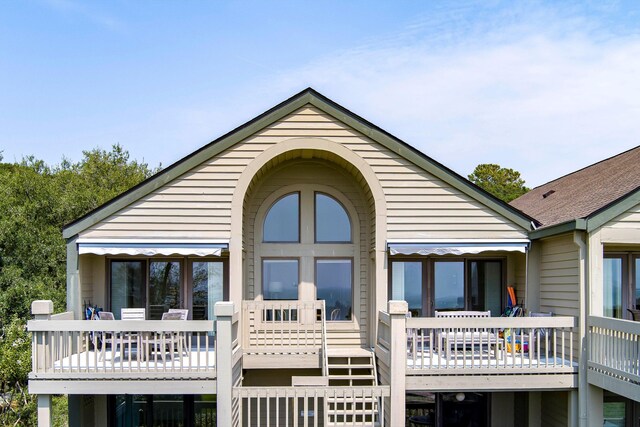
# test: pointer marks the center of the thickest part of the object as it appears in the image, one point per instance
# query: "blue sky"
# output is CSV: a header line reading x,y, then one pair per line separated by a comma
x,y
542,87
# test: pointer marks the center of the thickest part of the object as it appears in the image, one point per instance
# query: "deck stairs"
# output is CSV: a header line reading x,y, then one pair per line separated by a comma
x,y
351,367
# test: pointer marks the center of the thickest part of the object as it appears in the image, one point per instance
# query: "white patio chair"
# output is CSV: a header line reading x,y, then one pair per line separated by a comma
x,y
169,340
132,337
184,315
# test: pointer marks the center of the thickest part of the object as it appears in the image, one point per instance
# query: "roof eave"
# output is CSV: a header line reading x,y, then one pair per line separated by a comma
x,y
579,224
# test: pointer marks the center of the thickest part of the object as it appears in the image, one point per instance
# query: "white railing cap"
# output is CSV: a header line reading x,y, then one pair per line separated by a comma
x,y
224,308
398,307
42,307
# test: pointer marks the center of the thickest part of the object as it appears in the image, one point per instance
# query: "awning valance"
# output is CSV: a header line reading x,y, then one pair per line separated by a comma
x,y
455,248
150,248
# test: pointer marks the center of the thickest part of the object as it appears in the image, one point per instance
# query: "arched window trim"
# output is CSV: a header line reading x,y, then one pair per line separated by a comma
x,y
315,220
266,215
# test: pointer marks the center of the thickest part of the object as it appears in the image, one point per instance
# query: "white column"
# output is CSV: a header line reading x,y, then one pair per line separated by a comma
x,y
224,362
398,318
44,410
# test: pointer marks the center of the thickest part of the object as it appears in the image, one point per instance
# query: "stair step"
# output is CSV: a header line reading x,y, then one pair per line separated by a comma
x,y
348,352
347,366
351,377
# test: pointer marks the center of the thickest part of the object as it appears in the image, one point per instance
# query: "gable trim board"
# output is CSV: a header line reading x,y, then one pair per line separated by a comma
x,y
595,220
307,96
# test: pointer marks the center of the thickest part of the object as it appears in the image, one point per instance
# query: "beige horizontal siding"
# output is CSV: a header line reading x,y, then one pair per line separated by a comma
x,y
198,203
560,276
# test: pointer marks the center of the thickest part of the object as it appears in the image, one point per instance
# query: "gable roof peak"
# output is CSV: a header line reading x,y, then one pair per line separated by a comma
x,y
288,106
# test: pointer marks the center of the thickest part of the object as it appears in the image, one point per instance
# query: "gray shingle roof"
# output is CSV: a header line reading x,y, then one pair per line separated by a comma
x,y
581,193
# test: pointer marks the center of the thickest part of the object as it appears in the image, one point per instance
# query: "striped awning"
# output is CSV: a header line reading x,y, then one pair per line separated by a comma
x,y
456,247
151,247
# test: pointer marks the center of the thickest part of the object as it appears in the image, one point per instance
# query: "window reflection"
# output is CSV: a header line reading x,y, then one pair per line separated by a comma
x,y
332,221
164,287
335,287
127,285
207,278
449,285
280,279
406,284
613,287
282,223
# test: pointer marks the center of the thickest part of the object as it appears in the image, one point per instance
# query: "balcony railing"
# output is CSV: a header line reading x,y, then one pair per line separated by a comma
x,y
283,327
311,406
614,355
489,346
121,349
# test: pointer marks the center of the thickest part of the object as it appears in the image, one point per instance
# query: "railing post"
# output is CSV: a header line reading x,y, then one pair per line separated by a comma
x,y
42,310
224,362
398,360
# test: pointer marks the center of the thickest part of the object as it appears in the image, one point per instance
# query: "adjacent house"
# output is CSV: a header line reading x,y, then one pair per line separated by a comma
x,y
585,261
309,268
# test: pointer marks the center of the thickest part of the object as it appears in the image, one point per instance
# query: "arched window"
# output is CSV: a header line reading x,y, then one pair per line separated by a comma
x,y
332,223
282,222
309,249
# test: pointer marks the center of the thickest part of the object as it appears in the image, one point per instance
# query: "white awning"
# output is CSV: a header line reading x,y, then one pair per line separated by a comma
x,y
150,248
455,248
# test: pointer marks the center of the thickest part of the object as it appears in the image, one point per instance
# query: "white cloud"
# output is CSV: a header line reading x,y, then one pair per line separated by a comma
x,y
539,92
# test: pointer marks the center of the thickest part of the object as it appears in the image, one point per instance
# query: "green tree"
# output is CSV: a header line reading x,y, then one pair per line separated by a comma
x,y
36,201
506,184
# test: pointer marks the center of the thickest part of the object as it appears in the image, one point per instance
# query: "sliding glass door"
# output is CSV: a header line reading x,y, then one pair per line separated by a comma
x,y
430,285
448,285
165,281
128,285
160,285
207,288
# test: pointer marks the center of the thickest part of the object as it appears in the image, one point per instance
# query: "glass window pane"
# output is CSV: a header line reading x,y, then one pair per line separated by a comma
x,y
334,286
486,286
204,410
280,279
127,285
406,284
207,282
164,287
168,410
449,285
613,287
614,414
332,221
282,223
637,294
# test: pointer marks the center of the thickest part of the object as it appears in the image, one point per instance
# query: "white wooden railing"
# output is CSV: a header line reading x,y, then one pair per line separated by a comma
x,y
494,345
486,345
283,326
614,354
312,406
117,349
